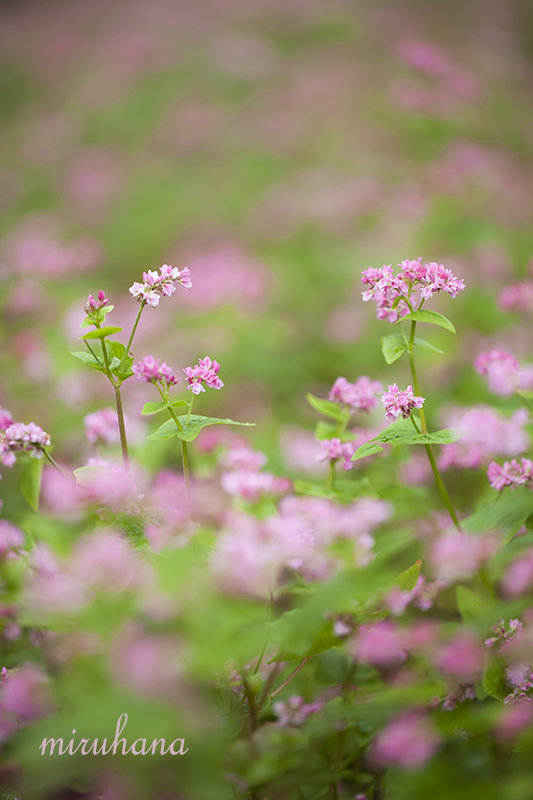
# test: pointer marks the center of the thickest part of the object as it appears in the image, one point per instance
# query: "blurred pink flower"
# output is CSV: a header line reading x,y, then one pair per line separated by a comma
x,y
486,433
102,426
400,403
518,578
358,396
382,644
407,741
463,656
25,692
333,450
458,555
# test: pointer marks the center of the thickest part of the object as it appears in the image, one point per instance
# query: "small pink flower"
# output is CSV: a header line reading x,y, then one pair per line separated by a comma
x,y
462,657
206,371
156,285
457,555
93,305
519,576
148,369
243,458
358,396
513,473
400,403
408,741
382,644
18,436
333,450
25,693
102,425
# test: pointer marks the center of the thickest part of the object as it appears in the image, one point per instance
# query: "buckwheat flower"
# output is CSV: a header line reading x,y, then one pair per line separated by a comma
x,y
295,711
29,437
206,371
407,741
517,297
400,403
438,279
26,693
5,419
519,576
456,556
158,284
512,473
251,485
462,656
333,450
11,537
102,426
382,644
358,396
93,305
501,369
243,458
486,433
148,369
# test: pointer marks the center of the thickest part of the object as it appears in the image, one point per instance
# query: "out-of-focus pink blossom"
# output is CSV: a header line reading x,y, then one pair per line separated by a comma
x,y
11,537
400,403
517,297
148,663
504,373
25,693
513,720
111,488
206,371
148,369
243,458
512,473
333,450
462,656
458,555
252,485
102,426
156,285
5,419
408,741
19,436
382,644
486,433
105,562
519,575
295,711
40,251
358,396
300,449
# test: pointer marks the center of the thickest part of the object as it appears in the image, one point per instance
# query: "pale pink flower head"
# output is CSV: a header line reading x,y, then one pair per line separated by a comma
x,y
333,450
112,488
382,645
358,396
25,693
251,485
31,438
6,420
486,433
512,473
463,656
102,426
148,663
501,369
105,562
513,720
457,555
148,369
408,741
517,297
205,372
156,285
518,578
243,458
400,403
295,711
11,537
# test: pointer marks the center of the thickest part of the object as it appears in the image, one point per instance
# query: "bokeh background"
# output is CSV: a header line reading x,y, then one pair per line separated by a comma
x,y
276,148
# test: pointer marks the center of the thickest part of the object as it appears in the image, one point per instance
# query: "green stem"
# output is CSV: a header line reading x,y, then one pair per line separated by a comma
x,y
190,409
438,478
184,456
57,467
330,478
127,350
300,666
120,410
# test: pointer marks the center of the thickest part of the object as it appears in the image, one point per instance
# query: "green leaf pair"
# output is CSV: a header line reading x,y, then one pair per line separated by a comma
x,y
191,427
328,408
119,365
401,435
98,315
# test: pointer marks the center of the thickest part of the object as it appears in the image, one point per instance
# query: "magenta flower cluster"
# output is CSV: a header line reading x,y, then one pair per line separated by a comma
x,y
512,473
394,294
504,373
93,305
358,396
400,403
156,285
150,370
206,372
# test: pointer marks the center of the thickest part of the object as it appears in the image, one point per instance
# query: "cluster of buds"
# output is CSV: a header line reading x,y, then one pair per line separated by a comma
x,y
400,403
158,284
503,635
205,372
358,396
149,370
18,436
334,450
394,294
512,473
96,309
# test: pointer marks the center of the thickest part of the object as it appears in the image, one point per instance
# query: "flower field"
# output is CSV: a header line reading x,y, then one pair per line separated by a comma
x,y
266,522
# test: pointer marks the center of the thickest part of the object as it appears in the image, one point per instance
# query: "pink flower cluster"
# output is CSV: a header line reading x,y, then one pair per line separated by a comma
x,y
504,374
24,696
148,369
333,450
400,403
358,396
408,741
517,297
205,372
503,634
156,285
295,711
422,596
486,433
512,473
93,305
18,436
245,479
456,556
519,576
394,294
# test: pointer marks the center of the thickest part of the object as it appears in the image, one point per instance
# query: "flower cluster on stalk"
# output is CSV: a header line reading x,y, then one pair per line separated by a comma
x,y
399,402
151,371
358,396
206,371
512,473
394,294
156,285
16,436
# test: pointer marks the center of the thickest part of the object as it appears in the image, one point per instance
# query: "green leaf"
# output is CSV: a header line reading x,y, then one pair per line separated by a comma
x,y
407,579
397,434
326,407
88,359
155,408
430,316
428,346
345,490
469,605
494,678
193,427
101,333
118,363
85,475
507,513
30,481
325,430
392,347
